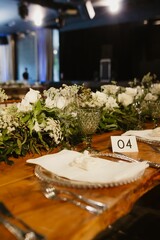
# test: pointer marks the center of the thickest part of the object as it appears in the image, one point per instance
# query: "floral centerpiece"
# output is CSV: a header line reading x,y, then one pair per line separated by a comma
x,y
49,120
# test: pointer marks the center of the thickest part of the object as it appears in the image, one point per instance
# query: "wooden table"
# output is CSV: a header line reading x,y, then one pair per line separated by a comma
x,y
20,190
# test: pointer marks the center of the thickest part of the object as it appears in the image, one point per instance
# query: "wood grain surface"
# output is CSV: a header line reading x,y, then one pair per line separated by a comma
x,y
20,191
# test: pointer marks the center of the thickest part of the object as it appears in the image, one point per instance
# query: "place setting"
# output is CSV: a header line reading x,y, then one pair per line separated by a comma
x,y
87,168
149,136
80,170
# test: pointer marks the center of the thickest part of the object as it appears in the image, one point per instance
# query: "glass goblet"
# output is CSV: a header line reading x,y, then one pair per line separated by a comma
x,y
89,119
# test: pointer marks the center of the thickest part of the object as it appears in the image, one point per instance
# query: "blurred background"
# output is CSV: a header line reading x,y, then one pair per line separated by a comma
x,y
77,41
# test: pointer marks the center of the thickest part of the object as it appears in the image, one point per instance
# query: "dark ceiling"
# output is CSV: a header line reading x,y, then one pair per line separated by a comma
x,y
72,14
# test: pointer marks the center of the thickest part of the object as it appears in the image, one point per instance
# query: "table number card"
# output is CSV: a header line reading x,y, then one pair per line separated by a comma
x,y
124,144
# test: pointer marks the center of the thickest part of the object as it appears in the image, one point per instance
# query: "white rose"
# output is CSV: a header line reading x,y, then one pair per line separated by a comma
x,y
24,106
100,97
49,103
111,103
32,96
110,89
60,102
140,91
150,97
155,89
131,91
125,99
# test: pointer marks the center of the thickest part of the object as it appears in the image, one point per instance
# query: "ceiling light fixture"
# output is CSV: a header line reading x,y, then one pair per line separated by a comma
x,y
38,21
114,5
157,22
145,22
90,9
37,14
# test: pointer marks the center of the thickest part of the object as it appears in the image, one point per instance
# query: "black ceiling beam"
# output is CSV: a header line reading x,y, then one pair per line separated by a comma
x,y
54,5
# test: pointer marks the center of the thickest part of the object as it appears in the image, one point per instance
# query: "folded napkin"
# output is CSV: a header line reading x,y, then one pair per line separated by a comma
x,y
82,167
149,134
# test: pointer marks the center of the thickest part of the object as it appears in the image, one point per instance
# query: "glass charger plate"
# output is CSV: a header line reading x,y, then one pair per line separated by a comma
x,y
148,141
50,177
145,136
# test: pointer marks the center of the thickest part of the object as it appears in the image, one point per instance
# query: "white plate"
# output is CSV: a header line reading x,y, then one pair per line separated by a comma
x,y
152,142
47,176
144,136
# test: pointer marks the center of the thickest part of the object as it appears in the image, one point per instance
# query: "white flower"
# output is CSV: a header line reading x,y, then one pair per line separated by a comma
x,y
111,104
140,91
32,96
8,119
60,102
37,127
150,97
53,127
49,103
3,96
125,99
61,97
131,91
110,89
24,106
99,97
51,92
155,89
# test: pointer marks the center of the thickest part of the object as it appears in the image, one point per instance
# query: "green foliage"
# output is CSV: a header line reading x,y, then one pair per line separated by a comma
x,y
41,123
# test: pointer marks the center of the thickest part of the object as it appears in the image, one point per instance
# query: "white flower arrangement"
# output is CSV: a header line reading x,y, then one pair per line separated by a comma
x,y
49,120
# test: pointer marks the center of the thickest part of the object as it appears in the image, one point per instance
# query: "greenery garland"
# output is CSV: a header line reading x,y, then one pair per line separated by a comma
x,y
49,120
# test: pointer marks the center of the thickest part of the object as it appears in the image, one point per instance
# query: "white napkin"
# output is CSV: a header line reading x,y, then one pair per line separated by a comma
x,y
149,134
82,167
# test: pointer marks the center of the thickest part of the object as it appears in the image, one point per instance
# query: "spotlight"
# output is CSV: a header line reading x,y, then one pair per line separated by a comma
x,y
23,9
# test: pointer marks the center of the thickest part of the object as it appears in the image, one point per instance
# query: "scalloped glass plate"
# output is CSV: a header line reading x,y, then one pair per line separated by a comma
x,y
144,136
151,142
50,177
